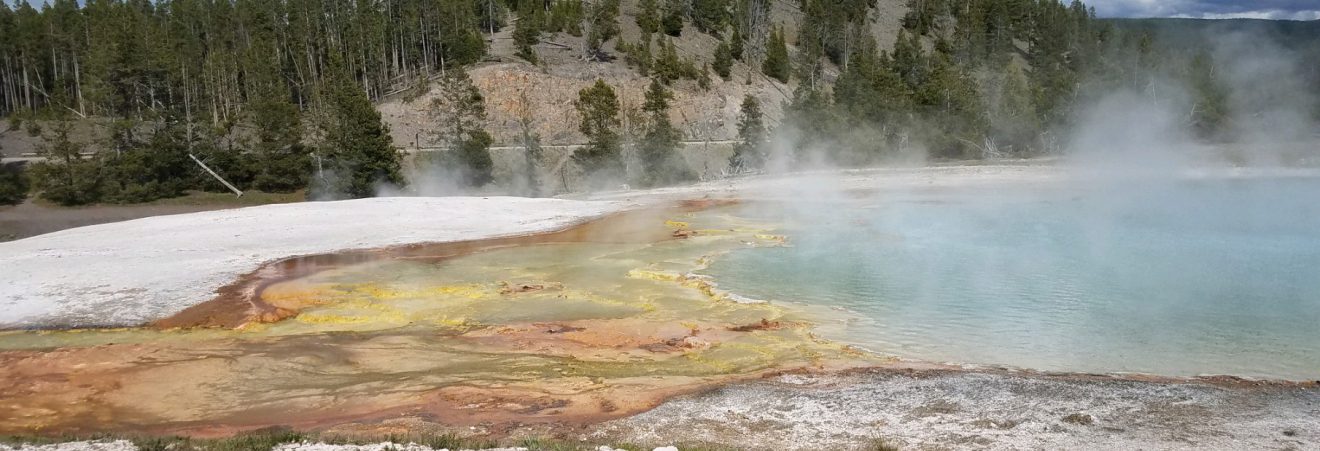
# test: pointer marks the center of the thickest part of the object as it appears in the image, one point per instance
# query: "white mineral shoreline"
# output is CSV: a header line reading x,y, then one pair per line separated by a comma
x,y
134,272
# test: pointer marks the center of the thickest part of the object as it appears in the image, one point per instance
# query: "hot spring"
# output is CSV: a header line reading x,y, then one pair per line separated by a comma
x,y
1177,278
1174,278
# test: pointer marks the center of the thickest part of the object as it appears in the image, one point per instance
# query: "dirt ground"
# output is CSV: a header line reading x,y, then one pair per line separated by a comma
x,y
34,218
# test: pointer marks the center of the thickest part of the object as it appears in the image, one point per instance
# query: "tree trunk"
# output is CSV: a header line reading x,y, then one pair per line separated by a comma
x,y
77,86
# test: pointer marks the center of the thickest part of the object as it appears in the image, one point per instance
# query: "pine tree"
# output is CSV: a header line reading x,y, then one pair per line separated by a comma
x,y
672,23
776,64
66,177
527,31
281,163
648,18
13,184
638,55
355,142
710,16
909,61
459,113
749,153
599,108
953,105
661,162
1014,121
459,34
812,116
152,165
723,60
1210,108
736,44
491,15
668,66
869,92
566,17
603,25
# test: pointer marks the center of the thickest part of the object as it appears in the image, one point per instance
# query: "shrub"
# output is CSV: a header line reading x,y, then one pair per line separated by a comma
x,y
13,184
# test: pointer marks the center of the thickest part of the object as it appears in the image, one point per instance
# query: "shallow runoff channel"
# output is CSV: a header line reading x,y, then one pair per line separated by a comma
x,y
1189,277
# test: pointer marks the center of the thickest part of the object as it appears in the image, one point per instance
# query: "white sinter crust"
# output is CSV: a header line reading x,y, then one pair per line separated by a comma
x,y
134,272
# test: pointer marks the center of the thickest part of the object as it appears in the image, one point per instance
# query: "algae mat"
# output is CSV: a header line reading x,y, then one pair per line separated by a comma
x,y
560,332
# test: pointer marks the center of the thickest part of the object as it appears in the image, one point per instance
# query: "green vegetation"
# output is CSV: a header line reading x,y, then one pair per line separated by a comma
x,y
637,55
599,108
527,32
663,62
195,198
672,23
280,162
602,26
723,60
566,17
13,184
648,16
749,154
710,16
358,153
66,178
776,64
658,150
736,44
460,115
235,83
669,67
125,93
966,79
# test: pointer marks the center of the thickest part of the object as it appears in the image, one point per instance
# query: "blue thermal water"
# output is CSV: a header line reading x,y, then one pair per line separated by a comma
x,y
1173,278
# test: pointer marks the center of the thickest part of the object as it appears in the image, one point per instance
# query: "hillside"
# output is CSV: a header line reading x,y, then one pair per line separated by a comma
x,y
492,96
513,87
553,85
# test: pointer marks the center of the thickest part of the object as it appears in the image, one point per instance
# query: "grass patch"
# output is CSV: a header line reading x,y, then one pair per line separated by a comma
x,y
200,198
262,440
881,445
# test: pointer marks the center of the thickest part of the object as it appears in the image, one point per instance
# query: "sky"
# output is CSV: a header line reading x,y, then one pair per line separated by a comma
x,y
1210,9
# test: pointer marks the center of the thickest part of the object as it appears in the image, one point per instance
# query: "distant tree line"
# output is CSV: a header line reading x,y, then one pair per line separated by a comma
x,y
273,94
1001,78
112,57
277,95
965,79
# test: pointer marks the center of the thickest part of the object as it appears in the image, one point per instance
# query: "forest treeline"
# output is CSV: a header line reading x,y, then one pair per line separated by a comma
x,y
274,94
1005,78
277,95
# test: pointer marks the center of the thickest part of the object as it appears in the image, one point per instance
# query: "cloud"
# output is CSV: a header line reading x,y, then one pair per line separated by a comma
x,y
1210,9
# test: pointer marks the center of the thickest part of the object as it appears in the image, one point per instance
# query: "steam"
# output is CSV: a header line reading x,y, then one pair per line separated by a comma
x,y
1146,130
1139,127
1269,91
